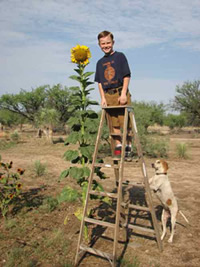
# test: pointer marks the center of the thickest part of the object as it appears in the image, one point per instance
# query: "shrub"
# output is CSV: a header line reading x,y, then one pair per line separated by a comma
x,y
39,168
181,150
49,204
173,120
15,136
155,147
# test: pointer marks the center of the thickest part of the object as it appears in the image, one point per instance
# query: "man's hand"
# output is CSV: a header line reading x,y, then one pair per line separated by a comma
x,y
122,99
103,102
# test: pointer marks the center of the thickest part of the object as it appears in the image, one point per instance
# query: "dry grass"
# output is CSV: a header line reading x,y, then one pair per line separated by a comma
x,y
34,236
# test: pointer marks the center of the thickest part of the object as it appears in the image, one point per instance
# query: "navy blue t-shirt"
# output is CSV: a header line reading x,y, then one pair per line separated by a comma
x,y
111,69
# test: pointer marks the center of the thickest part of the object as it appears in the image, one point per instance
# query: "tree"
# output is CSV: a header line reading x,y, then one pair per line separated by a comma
x,y
148,114
59,98
31,104
26,104
8,118
188,100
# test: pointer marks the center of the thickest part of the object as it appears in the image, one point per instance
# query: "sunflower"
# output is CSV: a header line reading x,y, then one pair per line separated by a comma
x,y
11,196
80,54
19,186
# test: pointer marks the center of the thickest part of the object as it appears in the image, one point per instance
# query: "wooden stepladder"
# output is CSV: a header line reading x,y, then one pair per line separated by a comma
x,y
118,166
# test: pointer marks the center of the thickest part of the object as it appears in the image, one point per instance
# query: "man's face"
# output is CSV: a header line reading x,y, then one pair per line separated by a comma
x,y
106,44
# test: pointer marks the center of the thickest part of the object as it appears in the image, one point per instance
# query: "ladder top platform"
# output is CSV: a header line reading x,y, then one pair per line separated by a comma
x,y
110,107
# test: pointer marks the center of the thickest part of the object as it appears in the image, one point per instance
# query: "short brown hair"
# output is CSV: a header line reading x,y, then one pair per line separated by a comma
x,y
104,34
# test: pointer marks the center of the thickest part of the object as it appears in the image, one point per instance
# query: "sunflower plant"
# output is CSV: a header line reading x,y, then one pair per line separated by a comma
x,y
83,124
10,186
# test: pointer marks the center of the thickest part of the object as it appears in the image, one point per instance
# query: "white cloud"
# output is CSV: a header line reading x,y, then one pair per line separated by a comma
x,y
36,36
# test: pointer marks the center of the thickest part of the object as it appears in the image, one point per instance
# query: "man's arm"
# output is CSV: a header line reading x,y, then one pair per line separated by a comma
x,y
103,99
123,97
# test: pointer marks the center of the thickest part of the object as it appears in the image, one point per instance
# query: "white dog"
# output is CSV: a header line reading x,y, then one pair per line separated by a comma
x,y
161,186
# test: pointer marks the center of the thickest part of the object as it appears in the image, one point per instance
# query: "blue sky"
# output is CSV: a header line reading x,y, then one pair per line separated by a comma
x,y
161,40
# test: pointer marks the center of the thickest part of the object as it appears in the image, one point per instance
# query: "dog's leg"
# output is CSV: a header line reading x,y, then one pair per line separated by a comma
x,y
165,216
173,223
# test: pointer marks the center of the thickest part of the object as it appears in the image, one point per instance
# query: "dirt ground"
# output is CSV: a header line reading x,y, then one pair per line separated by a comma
x,y
30,229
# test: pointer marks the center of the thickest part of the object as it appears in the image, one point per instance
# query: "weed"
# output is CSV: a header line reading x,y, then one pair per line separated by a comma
x,y
57,239
49,204
15,136
15,257
9,224
131,262
39,168
5,144
181,150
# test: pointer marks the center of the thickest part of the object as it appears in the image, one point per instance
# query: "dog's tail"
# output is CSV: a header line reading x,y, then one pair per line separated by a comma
x,y
183,216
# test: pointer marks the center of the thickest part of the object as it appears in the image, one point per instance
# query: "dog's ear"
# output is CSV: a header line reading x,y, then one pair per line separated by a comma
x,y
165,165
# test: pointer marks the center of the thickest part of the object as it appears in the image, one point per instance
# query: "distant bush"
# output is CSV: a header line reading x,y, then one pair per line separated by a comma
x,y
173,120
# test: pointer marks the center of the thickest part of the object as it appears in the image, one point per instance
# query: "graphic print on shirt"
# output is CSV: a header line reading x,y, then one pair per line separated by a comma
x,y
109,73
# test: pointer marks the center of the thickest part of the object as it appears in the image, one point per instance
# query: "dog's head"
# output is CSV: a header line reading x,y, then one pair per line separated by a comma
x,y
160,166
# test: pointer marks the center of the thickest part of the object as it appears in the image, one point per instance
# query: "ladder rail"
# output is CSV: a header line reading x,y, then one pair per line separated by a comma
x,y
119,199
89,184
146,181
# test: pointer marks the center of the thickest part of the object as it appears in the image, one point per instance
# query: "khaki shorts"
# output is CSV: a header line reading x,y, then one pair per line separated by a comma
x,y
116,116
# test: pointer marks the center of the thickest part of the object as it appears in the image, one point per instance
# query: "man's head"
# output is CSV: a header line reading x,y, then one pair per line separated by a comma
x,y
106,42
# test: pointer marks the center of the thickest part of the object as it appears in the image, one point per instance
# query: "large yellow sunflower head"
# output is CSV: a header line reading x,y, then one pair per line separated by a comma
x,y
80,54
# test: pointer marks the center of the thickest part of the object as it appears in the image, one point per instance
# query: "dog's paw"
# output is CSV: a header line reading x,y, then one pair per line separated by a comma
x,y
170,240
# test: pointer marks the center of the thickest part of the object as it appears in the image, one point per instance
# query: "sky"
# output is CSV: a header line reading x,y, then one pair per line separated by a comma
x,y
160,38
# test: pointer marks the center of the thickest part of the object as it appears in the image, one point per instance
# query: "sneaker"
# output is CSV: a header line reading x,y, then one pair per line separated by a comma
x,y
128,153
118,151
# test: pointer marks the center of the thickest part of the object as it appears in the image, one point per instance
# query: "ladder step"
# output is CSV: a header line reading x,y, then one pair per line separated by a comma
x,y
97,252
118,107
106,165
139,184
136,207
120,134
139,228
103,194
98,222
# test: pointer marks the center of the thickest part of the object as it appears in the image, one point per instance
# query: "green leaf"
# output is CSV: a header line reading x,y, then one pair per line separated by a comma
x,y
73,120
87,74
78,71
72,138
93,103
68,194
76,173
64,174
92,114
86,171
86,151
71,155
76,78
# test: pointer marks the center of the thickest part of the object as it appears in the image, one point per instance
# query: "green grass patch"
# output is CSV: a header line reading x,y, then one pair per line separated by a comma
x,y
182,151
39,168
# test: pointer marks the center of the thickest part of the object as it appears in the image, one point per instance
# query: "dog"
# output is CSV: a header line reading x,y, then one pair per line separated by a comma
x,y
161,186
